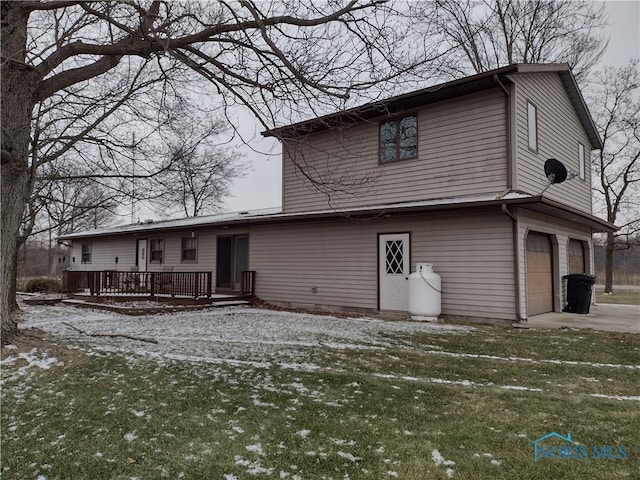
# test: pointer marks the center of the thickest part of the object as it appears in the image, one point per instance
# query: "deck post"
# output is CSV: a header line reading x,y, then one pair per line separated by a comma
x,y
209,280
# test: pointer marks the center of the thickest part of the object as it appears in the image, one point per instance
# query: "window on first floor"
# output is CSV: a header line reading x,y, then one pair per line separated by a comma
x,y
157,250
581,166
86,253
189,249
399,139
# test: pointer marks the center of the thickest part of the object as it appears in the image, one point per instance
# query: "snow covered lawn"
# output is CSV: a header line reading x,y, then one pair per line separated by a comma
x,y
240,393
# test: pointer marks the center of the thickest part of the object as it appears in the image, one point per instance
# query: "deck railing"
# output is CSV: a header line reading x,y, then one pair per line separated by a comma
x,y
176,284
248,282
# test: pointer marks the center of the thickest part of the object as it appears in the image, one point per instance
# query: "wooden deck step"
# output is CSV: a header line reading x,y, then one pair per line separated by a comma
x,y
141,310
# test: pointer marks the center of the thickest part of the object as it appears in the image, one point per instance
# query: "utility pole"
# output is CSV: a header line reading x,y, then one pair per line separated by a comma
x,y
133,176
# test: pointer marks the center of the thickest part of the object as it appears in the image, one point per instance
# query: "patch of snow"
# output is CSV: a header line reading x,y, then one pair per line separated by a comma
x,y
256,448
303,433
531,360
348,456
130,437
496,462
438,459
450,472
340,442
32,359
521,388
391,473
616,397
256,337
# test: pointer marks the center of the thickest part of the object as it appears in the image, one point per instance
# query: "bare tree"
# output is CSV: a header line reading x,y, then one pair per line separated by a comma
x,y
200,172
488,34
279,60
615,103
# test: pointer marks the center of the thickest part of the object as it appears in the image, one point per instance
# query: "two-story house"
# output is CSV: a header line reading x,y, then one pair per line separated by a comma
x,y
451,175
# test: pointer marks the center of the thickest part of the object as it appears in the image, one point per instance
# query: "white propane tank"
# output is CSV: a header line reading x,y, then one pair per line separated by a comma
x,y
425,293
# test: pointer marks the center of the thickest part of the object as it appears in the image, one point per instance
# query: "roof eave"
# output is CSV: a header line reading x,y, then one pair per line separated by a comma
x,y
481,81
545,205
536,203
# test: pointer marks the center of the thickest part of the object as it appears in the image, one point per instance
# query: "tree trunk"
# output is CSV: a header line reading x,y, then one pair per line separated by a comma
x,y
14,283
608,264
18,83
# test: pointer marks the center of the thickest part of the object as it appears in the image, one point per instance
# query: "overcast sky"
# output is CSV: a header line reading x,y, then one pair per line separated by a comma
x,y
262,186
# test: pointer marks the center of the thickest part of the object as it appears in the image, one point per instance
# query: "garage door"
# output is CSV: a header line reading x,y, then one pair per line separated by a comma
x,y
576,257
539,274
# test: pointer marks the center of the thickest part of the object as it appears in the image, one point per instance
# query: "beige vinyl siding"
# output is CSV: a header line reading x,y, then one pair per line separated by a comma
x,y
205,254
461,151
472,252
560,232
105,249
559,133
104,252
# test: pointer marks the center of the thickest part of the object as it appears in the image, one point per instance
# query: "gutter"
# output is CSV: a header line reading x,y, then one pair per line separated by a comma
x,y
400,208
516,259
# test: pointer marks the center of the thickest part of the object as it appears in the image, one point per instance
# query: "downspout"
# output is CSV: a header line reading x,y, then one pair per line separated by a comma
x,y
507,95
505,210
516,259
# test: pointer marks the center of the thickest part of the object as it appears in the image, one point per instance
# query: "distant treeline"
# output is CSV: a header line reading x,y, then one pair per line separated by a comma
x,y
626,265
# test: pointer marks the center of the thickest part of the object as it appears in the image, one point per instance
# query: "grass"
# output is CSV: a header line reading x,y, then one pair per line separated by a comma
x,y
619,297
370,414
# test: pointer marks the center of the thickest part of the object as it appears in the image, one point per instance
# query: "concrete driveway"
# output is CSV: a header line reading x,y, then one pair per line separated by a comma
x,y
605,317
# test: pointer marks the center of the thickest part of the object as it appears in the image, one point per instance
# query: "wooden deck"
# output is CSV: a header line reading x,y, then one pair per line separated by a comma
x,y
115,283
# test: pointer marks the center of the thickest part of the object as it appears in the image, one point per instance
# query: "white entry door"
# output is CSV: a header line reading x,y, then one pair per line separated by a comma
x,y
141,257
393,275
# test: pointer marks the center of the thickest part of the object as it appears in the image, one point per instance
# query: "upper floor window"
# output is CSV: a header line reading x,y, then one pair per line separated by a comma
x,y
532,126
86,253
189,248
581,166
157,250
399,139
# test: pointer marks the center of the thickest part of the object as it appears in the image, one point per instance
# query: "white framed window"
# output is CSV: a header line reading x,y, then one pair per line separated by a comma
x,y
86,253
581,161
532,126
157,250
189,249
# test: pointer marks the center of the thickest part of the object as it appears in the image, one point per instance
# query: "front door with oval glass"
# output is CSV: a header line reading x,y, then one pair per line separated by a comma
x,y
393,271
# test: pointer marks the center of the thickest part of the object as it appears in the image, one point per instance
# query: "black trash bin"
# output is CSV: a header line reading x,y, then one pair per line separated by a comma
x,y
579,288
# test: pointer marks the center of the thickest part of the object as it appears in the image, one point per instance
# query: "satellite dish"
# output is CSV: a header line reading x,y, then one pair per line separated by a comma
x,y
555,171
